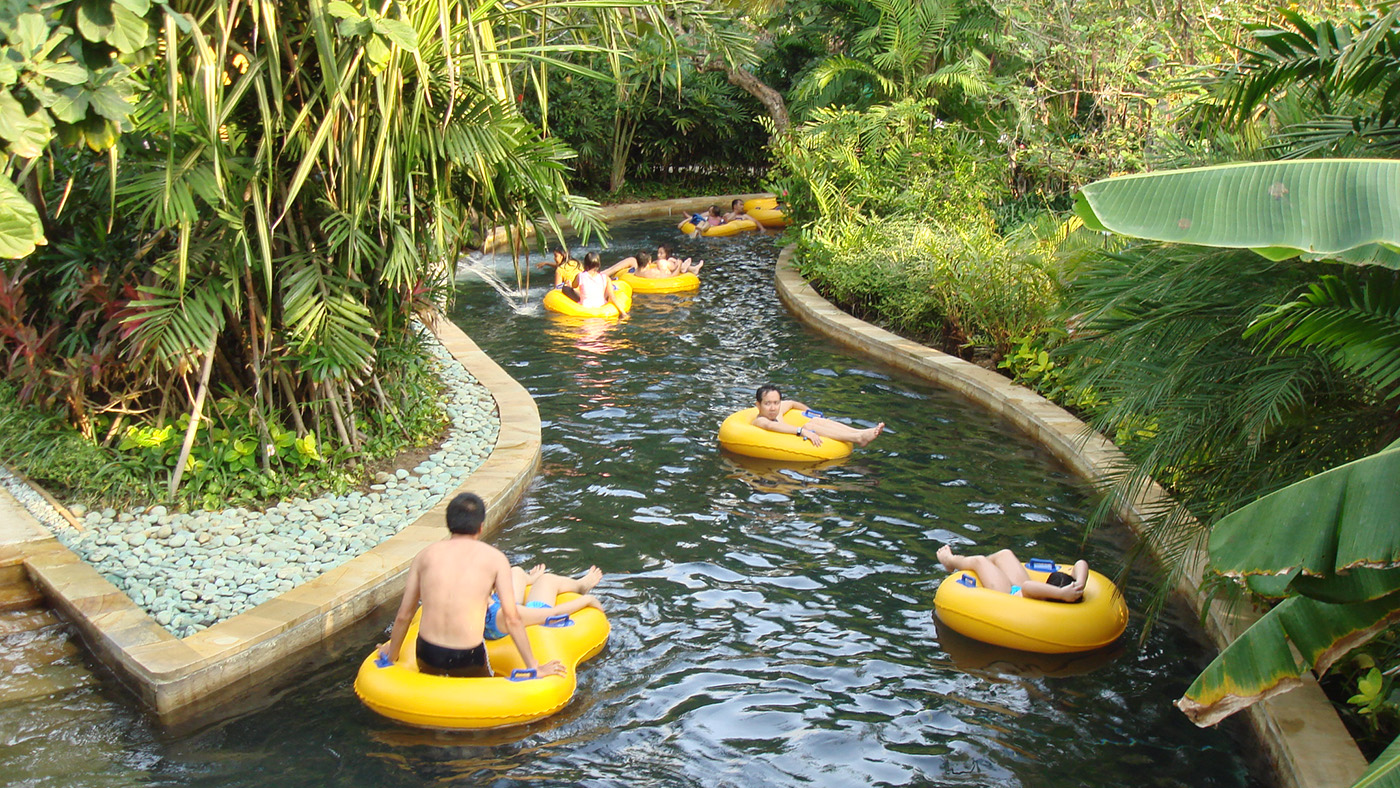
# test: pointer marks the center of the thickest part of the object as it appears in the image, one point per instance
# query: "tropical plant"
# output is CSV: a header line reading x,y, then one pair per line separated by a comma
x,y
959,286
66,75
662,120
1327,545
297,183
1331,88
888,160
910,49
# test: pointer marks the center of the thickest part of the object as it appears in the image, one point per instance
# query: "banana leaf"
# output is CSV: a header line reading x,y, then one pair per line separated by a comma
x,y
1343,519
1384,771
1346,209
1261,663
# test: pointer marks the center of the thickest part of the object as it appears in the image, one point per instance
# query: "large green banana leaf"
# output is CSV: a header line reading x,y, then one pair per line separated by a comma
x,y
1384,771
1346,518
1261,664
1339,209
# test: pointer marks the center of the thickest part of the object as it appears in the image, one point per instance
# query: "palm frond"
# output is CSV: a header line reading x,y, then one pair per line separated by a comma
x,y
1353,317
1159,337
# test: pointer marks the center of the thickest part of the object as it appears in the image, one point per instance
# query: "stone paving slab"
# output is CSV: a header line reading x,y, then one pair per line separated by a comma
x,y
1306,741
17,526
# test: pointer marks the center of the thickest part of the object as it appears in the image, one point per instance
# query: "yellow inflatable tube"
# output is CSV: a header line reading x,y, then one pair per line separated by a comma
x,y
667,284
398,691
728,228
739,435
765,211
556,301
1033,624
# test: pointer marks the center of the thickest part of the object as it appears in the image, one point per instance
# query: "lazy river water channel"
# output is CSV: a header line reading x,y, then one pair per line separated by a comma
x,y
771,626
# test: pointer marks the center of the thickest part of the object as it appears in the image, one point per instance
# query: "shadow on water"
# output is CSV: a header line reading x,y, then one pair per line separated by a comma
x,y
771,624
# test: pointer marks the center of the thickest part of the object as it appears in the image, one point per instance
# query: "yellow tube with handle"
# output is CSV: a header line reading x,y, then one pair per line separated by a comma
x,y
398,691
1040,625
766,212
556,301
739,435
728,228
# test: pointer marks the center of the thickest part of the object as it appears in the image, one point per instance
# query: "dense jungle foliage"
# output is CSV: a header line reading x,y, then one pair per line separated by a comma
x,y
224,219
1227,376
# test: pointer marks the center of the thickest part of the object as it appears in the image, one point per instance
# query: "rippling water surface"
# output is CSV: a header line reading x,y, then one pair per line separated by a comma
x,y
771,626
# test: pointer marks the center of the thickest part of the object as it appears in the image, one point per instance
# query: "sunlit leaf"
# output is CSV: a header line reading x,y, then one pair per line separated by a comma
x,y
1384,771
27,135
1337,520
1280,209
1260,663
20,228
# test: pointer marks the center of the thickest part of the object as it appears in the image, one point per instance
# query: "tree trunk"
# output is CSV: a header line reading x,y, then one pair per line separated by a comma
x,y
771,99
624,129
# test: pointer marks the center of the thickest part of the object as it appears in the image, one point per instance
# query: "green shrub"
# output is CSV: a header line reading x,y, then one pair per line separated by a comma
x,y
43,446
960,286
888,160
230,462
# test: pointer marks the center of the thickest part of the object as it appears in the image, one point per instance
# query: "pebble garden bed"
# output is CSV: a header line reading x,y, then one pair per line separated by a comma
x,y
193,570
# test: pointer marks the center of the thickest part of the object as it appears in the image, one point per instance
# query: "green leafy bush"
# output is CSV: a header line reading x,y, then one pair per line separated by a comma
x,y
962,287
888,160
895,226
231,461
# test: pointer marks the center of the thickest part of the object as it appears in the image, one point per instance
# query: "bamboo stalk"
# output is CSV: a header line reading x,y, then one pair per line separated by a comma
x,y
195,414
355,432
289,392
111,433
384,402
331,397
259,390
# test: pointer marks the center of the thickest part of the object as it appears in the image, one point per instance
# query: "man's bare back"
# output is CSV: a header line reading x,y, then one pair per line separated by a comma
x,y
453,581
456,578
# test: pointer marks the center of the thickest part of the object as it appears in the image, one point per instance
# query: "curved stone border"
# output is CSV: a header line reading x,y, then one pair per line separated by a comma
x,y
181,677
1306,741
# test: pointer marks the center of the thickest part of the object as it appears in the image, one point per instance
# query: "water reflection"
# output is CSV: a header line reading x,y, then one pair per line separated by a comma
x,y
988,661
588,335
672,306
774,476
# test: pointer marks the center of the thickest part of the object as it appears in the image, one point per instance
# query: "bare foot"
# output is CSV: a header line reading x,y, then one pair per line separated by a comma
x,y
589,579
695,267
945,557
866,436
535,573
